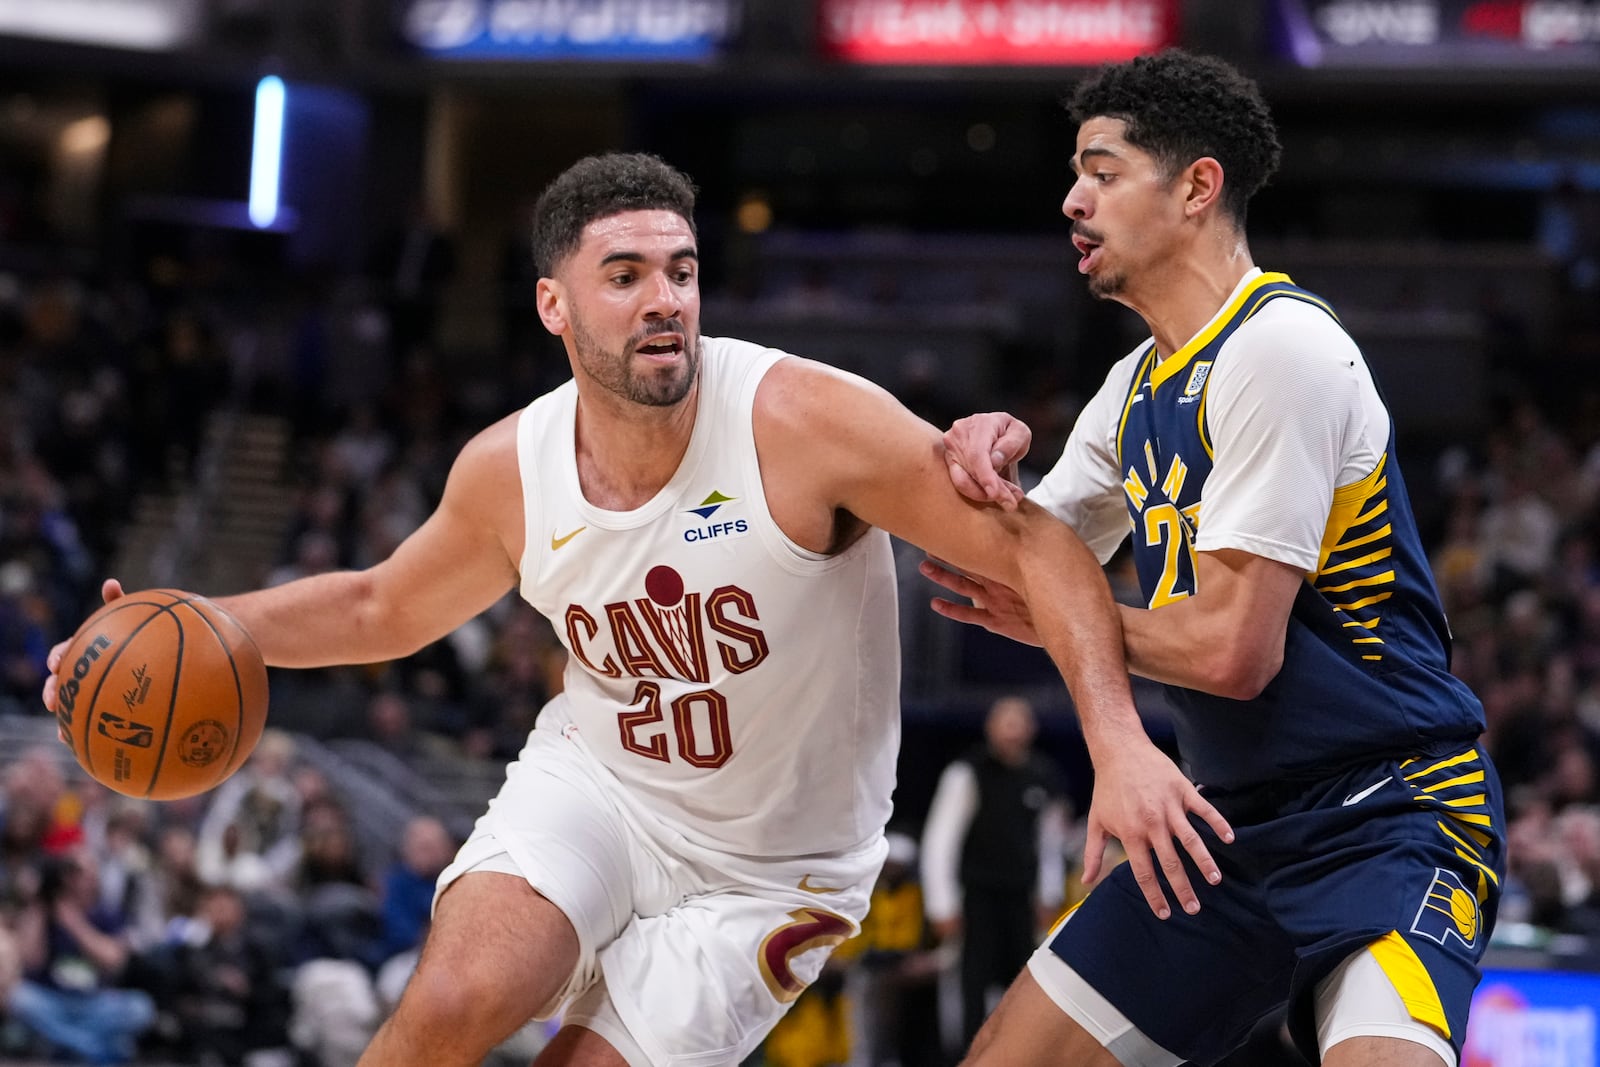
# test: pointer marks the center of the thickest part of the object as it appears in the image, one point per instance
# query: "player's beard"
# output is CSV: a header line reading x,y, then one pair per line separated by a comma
x,y
1107,285
615,371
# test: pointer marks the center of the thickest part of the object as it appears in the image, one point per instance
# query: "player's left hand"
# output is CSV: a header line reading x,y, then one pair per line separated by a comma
x,y
110,589
982,453
995,607
1143,800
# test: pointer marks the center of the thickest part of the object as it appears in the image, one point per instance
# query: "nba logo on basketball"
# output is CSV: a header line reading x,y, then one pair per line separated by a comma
x,y
1449,909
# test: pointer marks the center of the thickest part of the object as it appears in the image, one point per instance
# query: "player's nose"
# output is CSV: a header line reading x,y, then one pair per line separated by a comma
x,y
663,298
1076,204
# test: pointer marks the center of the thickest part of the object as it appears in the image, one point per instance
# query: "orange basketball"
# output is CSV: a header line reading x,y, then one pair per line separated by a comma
x,y
161,694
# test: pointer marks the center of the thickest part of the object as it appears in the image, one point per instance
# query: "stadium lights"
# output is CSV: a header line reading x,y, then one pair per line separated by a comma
x,y
266,156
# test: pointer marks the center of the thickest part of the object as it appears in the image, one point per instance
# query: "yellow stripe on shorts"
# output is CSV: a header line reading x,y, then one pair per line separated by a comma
x,y
1411,980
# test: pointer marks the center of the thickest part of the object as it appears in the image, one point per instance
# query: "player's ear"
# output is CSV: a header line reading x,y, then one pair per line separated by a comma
x,y
1202,185
550,298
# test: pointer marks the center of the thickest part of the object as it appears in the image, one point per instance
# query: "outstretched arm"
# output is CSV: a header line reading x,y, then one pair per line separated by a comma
x,y
457,564
832,441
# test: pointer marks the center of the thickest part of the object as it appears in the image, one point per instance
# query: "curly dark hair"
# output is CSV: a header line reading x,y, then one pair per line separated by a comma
x,y
1179,107
598,187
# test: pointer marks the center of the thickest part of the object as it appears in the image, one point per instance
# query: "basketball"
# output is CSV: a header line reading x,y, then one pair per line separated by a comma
x,y
161,694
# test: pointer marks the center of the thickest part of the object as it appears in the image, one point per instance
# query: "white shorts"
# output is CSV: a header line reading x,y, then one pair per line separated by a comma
x,y
687,955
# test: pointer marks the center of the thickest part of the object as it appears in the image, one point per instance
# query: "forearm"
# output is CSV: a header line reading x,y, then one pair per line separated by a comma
x,y
323,620
1079,626
1166,646
1200,645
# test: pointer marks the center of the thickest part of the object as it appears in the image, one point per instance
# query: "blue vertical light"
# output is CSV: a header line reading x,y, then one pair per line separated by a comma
x,y
266,157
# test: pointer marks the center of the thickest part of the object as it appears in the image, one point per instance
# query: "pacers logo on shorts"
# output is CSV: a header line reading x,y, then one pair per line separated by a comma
x,y
1448,910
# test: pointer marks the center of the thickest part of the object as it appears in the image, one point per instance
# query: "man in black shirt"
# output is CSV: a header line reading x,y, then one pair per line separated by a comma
x,y
993,863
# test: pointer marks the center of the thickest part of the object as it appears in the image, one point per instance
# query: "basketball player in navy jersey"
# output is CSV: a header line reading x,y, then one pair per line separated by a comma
x,y
1290,612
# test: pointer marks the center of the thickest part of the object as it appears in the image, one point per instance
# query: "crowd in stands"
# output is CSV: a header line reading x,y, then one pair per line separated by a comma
x,y
251,925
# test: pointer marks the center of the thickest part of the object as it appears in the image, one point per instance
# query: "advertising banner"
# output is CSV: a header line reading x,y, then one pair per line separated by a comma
x,y
142,25
1534,1019
995,32
681,30
1414,33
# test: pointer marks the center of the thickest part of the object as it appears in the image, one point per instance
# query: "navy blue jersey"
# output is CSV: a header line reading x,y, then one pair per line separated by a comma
x,y
1366,660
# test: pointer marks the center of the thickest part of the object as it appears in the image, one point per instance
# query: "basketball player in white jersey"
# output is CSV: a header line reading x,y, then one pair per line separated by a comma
x,y
698,819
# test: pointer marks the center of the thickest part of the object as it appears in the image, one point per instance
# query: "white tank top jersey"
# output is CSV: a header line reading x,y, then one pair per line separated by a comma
x,y
743,690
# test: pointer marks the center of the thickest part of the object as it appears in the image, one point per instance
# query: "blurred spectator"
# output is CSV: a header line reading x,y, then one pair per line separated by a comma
x,y
816,1030
993,854
175,884
227,996
74,955
324,510
250,836
315,552
1569,233
406,897
898,973
334,1011
414,262
360,448
1519,533
37,532
408,885
129,888
340,908
193,383
41,815
523,672
27,630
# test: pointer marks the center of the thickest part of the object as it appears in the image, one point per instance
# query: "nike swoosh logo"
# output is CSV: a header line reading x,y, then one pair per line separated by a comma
x,y
807,887
1136,398
557,542
1356,798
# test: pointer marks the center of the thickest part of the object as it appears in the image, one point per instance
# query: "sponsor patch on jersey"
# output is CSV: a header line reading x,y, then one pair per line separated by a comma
x,y
711,504
1197,381
715,524
1449,909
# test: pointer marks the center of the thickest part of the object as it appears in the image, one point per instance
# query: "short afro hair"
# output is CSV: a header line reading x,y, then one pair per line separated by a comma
x,y
1180,107
598,187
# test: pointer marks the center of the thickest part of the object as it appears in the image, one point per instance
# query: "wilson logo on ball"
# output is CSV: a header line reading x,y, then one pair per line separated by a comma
x,y
67,694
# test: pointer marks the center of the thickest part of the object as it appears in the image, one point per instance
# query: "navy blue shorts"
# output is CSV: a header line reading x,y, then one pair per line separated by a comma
x,y
1316,871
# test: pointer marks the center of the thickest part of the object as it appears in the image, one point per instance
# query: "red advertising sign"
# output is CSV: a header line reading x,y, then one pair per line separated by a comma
x,y
995,32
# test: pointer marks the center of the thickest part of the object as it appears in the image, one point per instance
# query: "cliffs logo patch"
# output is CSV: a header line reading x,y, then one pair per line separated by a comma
x,y
713,529
708,507
1449,909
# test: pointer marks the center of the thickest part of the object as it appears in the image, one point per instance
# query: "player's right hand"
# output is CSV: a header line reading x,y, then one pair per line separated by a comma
x,y
1143,800
995,607
978,448
110,589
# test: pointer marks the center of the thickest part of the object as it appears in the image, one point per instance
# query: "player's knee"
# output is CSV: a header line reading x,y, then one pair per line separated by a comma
x,y
451,995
